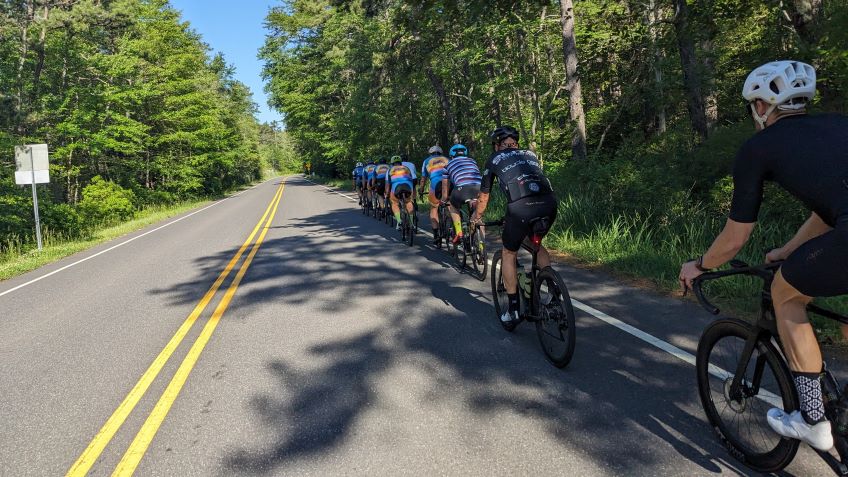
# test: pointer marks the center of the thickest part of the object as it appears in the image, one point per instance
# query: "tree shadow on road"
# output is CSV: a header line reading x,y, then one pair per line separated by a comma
x,y
443,323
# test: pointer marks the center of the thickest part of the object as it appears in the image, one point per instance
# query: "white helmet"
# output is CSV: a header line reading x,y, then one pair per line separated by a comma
x,y
779,84
435,150
358,164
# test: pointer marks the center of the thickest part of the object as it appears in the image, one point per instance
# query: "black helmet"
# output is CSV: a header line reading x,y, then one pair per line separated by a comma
x,y
502,132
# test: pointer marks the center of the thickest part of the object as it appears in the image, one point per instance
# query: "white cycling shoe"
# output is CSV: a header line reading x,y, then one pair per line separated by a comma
x,y
508,317
795,427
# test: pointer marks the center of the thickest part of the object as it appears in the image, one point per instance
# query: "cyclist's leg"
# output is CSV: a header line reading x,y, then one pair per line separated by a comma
x,y
434,210
395,205
816,268
455,203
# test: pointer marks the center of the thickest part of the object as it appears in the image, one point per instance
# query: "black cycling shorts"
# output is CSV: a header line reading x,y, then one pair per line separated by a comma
x,y
380,185
519,215
402,189
415,182
818,267
459,195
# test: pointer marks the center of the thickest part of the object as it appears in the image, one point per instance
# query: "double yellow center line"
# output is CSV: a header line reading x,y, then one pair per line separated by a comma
x,y
145,435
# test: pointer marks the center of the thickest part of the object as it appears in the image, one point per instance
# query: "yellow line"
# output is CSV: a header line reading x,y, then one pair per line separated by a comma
x,y
90,455
145,435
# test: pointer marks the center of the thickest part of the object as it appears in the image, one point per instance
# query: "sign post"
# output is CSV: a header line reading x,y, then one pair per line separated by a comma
x,y
33,167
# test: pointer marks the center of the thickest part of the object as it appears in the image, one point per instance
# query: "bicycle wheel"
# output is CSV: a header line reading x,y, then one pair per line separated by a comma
x,y
410,229
555,325
478,254
741,423
499,295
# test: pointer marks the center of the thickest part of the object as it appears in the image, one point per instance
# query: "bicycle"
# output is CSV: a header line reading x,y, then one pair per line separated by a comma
x,y
543,298
473,242
741,367
408,222
445,228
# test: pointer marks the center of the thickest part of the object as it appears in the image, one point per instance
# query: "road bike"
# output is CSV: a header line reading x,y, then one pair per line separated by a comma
x,y
408,222
445,228
742,372
543,298
473,243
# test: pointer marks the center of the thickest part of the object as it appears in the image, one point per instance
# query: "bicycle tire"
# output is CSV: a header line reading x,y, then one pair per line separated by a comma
x,y
410,229
776,452
499,295
478,255
556,326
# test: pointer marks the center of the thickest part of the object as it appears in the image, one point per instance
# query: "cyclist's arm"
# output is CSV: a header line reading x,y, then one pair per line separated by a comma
x,y
728,243
813,227
482,202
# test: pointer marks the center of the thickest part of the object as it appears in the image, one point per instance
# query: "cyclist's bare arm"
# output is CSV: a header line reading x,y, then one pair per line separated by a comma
x,y
728,243
482,202
813,227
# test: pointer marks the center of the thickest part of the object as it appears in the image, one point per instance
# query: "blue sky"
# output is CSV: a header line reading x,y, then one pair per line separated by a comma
x,y
234,27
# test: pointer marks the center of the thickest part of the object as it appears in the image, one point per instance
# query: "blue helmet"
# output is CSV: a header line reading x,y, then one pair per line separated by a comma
x,y
458,150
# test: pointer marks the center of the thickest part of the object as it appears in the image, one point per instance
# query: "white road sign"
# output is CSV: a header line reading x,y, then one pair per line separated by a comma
x,y
32,161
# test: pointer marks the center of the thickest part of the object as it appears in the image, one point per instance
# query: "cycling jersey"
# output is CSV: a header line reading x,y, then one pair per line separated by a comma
x,y
369,171
434,168
463,171
411,168
380,171
806,155
357,173
399,175
518,172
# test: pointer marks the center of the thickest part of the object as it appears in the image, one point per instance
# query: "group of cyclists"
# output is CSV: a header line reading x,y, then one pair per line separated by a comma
x,y
805,154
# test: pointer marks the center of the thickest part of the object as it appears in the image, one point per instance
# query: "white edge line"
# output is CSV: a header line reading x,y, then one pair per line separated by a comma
x,y
22,285
669,348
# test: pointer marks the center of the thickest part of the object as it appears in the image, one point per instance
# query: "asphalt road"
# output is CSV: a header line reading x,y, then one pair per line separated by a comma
x,y
332,349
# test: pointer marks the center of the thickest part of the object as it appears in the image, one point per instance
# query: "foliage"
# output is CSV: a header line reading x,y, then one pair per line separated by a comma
x,y
123,90
104,202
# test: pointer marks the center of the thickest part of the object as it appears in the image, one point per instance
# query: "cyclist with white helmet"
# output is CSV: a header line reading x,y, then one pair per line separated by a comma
x,y
356,176
461,183
808,156
432,170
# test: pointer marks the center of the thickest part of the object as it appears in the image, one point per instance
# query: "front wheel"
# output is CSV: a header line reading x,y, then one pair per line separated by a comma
x,y
499,295
555,325
739,419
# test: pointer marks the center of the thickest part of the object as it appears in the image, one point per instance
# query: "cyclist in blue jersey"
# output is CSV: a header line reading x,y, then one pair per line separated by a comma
x,y
367,176
398,183
378,183
432,170
461,183
356,176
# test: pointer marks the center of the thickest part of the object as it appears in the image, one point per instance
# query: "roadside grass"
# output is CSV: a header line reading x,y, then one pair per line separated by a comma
x,y
18,257
652,247
18,260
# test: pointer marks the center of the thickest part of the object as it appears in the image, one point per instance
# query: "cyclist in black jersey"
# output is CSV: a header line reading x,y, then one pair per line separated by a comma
x,y
531,207
808,156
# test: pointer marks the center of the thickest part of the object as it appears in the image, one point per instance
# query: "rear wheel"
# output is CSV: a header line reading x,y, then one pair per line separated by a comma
x,y
740,420
555,325
499,295
479,260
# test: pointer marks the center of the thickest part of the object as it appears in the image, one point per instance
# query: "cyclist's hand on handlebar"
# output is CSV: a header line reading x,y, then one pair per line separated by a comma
x,y
476,220
688,272
775,255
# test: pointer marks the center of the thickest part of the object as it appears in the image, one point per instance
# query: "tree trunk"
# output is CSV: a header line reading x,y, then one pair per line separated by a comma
x,y
575,100
657,54
20,113
805,19
689,64
439,87
40,52
491,54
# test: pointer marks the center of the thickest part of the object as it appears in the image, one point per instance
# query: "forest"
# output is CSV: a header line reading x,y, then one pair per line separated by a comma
x,y
134,108
634,107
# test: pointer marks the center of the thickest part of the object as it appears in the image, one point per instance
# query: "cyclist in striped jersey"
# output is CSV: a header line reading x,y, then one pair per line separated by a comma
x,y
463,178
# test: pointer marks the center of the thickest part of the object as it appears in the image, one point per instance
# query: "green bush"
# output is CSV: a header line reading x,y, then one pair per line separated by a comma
x,y
104,202
63,220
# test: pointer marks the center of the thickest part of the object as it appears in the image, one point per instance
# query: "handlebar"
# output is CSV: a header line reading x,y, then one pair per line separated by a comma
x,y
764,271
494,223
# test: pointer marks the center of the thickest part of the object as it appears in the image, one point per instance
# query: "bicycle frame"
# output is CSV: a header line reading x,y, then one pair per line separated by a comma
x,y
765,329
